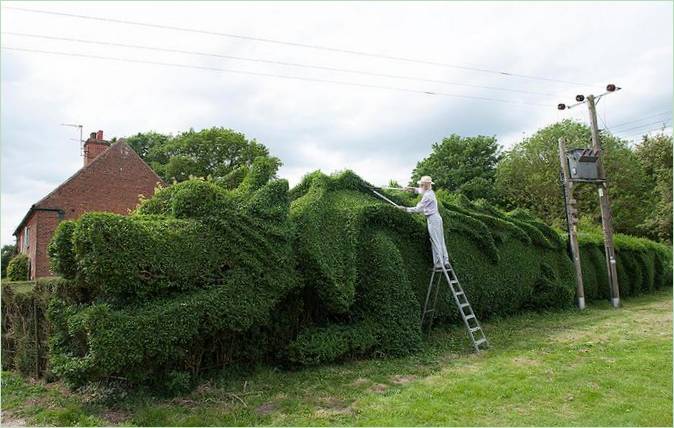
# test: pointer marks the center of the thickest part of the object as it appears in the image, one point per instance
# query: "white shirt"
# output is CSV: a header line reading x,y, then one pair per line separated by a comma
x,y
428,205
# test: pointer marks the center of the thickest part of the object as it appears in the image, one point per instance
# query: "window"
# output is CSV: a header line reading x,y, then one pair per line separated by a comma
x,y
26,238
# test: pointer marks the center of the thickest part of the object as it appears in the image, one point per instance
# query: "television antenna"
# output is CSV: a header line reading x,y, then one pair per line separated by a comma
x,y
74,125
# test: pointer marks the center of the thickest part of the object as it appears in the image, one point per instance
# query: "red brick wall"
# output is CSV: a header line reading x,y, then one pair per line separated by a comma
x,y
46,224
92,149
113,183
31,249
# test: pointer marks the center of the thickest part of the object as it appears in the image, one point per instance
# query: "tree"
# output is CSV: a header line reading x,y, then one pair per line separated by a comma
x,y
528,177
143,143
655,155
462,164
214,152
6,254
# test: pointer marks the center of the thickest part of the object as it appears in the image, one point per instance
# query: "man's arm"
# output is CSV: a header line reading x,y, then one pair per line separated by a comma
x,y
419,207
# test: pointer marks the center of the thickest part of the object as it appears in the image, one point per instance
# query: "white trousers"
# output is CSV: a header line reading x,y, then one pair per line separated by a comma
x,y
437,233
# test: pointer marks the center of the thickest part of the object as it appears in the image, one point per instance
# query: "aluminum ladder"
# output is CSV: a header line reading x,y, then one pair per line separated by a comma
x,y
475,332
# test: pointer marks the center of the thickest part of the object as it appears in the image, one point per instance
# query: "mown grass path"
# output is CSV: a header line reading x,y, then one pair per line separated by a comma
x,y
597,367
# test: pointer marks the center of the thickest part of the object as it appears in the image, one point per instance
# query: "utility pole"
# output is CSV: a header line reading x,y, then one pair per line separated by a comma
x,y
586,161
605,206
571,222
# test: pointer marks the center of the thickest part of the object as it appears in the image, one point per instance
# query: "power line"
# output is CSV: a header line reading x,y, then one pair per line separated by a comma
x,y
265,61
281,76
642,126
643,118
294,44
648,131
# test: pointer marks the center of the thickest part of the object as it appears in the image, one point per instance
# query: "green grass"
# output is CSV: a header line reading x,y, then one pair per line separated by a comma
x,y
600,367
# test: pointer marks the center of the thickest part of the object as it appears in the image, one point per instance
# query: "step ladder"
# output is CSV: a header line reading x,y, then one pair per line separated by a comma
x,y
472,324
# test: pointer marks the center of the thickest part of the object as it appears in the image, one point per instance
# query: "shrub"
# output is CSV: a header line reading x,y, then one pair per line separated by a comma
x,y
642,265
203,276
61,256
363,258
18,269
177,283
25,328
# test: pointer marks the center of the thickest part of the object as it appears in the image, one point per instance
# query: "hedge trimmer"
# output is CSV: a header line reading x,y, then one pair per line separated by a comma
x,y
388,188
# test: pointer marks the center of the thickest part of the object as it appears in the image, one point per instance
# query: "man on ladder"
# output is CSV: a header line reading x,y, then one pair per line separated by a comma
x,y
428,205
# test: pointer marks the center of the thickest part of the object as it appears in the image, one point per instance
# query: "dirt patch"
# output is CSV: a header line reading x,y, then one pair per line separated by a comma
x,y
265,409
8,420
378,387
360,381
402,379
329,413
333,403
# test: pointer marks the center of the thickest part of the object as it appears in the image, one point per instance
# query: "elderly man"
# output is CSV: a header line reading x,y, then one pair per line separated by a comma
x,y
428,205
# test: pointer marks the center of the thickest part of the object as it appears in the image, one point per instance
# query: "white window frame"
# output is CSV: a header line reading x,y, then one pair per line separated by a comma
x,y
26,238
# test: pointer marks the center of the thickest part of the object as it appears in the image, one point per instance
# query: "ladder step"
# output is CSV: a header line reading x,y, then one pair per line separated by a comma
x,y
466,314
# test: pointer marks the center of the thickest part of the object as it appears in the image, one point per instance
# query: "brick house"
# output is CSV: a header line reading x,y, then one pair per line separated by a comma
x,y
112,179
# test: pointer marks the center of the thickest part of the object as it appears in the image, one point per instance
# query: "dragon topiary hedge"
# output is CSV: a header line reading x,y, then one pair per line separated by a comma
x,y
204,274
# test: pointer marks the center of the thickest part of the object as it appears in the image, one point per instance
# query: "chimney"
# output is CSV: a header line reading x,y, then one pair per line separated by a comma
x,y
94,146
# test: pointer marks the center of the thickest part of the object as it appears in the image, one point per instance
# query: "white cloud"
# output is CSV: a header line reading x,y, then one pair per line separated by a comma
x,y
380,134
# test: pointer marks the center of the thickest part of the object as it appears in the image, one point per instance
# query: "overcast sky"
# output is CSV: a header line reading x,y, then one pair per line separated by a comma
x,y
379,133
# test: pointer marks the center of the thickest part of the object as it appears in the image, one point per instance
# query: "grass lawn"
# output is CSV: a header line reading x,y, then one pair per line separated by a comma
x,y
599,367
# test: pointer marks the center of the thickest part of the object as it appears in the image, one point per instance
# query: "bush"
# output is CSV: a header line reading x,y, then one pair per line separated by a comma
x,y
369,262
18,269
61,256
176,284
642,265
25,328
204,276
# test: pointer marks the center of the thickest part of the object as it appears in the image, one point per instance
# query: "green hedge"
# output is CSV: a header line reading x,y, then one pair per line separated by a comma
x,y
155,292
370,261
204,274
642,265
18,269
25,328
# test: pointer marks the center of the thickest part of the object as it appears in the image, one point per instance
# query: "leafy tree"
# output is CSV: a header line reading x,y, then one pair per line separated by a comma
x,y
6,254
528,177
214,152
655,155
143,143
462,164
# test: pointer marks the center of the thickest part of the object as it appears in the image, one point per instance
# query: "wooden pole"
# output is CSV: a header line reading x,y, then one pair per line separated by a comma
x,y
605,205
571,220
